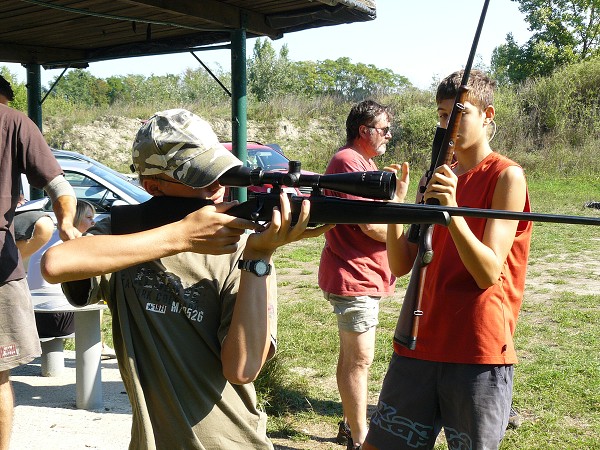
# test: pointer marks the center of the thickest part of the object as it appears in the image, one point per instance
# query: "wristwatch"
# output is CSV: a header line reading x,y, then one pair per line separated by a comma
x,y
258,267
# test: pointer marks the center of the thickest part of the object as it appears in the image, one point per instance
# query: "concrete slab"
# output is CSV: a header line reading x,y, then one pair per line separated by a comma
x,y
46,416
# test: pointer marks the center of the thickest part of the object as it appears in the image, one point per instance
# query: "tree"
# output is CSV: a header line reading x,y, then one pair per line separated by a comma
x,y
564,32
347,80
19,90
199,86
268,73
79,86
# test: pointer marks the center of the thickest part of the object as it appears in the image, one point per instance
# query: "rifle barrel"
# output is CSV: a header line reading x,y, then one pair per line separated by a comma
x,y
327,209
513,215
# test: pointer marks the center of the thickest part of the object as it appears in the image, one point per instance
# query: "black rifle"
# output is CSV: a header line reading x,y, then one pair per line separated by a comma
x,y
324,209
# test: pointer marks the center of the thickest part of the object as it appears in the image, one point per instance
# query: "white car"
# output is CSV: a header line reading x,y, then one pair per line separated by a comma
x,y
94,182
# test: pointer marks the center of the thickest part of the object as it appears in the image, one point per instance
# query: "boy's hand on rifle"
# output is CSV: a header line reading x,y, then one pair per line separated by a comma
x,y
442,186
280,230
402,181
211,231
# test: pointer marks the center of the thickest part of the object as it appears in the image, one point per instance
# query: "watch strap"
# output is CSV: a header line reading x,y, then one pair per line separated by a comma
x,y
250,265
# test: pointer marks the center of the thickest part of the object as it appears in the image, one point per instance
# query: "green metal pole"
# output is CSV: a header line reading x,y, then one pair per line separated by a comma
x,y
34,93
239,102
34,108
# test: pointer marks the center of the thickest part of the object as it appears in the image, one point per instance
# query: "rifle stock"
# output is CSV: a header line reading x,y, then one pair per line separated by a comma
x,y
407,327
159,211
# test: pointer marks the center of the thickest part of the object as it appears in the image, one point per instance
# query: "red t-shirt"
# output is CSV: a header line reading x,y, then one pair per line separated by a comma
x,y
23,150
462,323
352,263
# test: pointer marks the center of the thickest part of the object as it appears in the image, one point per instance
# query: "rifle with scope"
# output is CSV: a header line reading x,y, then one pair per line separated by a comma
x,y
324,209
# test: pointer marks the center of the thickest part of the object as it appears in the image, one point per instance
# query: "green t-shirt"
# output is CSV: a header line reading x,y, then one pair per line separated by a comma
x,y
169,319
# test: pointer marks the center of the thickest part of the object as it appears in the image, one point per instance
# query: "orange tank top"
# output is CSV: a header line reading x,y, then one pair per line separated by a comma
x,y
461,322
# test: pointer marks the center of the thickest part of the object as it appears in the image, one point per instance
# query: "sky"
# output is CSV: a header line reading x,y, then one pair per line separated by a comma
x,y
423,40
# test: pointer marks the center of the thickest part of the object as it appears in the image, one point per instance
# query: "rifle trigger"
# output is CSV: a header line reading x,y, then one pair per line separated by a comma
x,y
417,312
255,215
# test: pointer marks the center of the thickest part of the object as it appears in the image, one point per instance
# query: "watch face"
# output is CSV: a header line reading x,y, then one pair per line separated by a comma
x,y
261,268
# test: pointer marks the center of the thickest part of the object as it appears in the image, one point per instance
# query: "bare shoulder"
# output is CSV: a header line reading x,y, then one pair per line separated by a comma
x,y
512,174
511,189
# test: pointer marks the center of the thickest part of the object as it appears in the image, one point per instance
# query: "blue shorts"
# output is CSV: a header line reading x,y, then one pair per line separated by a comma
x,y
470,401
358,314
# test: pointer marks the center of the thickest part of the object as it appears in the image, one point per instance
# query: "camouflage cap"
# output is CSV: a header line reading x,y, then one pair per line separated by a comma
x,y
183,146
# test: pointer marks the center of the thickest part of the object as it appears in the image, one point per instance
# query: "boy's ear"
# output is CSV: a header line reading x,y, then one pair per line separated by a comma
x,y
490,113
152,186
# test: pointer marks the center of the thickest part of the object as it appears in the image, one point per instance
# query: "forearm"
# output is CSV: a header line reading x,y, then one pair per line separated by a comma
x,y
401,253
91,256
484,259
64,208
479,259
246,347
376,231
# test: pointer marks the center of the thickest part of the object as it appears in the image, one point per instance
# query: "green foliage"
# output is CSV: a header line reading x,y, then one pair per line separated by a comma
x,y
79,86
197,86
344,79
19,89
414,125
268,73
563,33
552,124
271,75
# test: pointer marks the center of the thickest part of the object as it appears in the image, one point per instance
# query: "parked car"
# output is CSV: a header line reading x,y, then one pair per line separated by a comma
x,y
269,158
96,183
75,156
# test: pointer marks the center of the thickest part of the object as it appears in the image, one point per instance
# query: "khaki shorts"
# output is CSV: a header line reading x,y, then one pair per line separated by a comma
x,y
19,342
358,314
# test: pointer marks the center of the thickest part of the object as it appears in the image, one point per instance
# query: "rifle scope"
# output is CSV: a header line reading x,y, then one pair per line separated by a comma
x,y
373,184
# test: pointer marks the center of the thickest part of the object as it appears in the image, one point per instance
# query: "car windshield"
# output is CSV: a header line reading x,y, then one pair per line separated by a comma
x,y
102,194
132,189
267,159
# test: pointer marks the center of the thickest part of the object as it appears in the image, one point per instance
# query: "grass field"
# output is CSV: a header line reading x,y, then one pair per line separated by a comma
x,y
557,382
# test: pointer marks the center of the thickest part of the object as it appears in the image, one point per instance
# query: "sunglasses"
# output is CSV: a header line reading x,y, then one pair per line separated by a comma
x,y
385,130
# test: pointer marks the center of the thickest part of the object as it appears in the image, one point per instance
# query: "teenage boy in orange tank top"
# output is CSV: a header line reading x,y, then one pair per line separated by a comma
x,y
460,374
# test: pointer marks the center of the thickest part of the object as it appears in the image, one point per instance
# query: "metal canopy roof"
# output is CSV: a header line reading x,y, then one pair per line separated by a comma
x,y
61,33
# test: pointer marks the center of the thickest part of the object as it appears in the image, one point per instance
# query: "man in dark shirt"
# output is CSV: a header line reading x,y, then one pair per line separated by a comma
x,y
23,150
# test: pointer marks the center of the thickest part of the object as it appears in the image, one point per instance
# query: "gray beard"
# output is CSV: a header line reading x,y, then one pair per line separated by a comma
x,y
381,150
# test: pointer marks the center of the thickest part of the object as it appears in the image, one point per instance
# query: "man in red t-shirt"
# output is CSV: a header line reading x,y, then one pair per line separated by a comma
x,y
354,272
